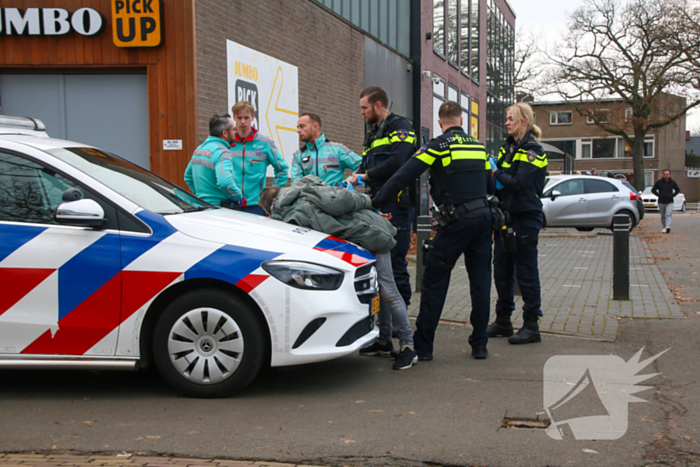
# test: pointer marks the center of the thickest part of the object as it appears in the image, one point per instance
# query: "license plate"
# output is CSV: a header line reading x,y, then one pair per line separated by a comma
x,y
648,205
375,305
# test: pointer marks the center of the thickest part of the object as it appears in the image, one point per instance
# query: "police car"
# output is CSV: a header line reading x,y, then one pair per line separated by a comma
x,y
104,265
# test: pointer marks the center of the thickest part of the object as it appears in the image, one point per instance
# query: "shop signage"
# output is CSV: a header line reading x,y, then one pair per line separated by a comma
x,y
136,23
50,21
272,86
693,173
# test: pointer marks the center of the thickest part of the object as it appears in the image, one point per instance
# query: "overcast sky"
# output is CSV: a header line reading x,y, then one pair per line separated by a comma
x,y
536,14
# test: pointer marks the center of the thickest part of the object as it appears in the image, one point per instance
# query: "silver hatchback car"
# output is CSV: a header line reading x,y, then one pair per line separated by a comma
x,y
585,202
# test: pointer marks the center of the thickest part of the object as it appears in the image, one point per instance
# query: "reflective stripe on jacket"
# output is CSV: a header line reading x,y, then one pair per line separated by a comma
x,y
250,158
522,168
210,173
325,159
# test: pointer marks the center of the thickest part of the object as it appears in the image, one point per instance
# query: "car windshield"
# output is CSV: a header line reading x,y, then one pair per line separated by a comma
x,y
131,181
647,191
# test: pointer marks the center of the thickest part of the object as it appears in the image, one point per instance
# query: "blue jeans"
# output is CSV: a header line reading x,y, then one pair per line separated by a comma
x,y
522,265
472,238
393,309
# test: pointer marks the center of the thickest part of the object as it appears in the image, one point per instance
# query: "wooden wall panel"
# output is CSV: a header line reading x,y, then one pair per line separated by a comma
x,y
171,68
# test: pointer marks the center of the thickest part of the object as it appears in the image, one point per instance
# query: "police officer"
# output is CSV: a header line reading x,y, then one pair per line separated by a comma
x,y
460,180
210,172
521,168
319,156
390,142
251,154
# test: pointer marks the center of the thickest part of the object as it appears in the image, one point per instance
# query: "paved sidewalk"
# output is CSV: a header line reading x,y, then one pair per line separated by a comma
x,y
125,460
576,278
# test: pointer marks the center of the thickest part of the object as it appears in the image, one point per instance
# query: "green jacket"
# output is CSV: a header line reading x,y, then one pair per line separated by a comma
x,y
336,211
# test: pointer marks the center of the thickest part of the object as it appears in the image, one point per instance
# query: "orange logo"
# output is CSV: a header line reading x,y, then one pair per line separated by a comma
x,y
137,23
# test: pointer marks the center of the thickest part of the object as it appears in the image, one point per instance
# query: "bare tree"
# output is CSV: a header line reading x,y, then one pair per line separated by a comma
x,y
528,63
636,52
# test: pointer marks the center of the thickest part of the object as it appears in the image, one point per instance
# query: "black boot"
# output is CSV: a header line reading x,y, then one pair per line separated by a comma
x,y
530,332
501,327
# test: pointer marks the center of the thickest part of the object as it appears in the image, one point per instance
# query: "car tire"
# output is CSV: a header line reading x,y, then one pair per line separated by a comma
x,y
631,216
585,229
209,343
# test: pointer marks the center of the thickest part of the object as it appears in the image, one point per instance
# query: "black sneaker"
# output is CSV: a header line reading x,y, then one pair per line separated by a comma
x,y
424,356
407,358
377,349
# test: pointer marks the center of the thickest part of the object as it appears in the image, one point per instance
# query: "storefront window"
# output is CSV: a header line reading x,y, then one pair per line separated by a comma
x,y
500,46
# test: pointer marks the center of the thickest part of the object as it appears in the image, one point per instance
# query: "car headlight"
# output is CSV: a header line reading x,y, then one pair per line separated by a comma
x,y
304,275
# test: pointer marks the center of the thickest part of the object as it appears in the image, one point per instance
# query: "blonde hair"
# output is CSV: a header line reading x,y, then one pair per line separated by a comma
x,y
239,107
522,111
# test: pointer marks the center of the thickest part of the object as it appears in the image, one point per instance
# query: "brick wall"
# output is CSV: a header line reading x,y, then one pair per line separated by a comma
x,y
329,55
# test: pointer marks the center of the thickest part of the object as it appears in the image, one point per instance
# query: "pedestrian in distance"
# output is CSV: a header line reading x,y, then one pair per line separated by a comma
x,y
318,155
390,142
251,154
348,215
460,181
666,189
210,173
520,171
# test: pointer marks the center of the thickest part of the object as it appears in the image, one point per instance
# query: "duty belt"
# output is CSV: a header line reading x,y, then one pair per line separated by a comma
x,y
446,214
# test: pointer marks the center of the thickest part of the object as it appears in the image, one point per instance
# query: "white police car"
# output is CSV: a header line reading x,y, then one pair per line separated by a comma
x,y
103,265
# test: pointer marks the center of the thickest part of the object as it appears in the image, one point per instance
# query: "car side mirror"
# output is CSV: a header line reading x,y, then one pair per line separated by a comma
x,y
80,213
555,193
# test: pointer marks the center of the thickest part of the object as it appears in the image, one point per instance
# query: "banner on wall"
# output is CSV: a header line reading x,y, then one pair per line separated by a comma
x,y
272,86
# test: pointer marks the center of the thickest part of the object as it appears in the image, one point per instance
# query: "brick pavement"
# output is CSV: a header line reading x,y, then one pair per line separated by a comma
x,y
576,278
125,460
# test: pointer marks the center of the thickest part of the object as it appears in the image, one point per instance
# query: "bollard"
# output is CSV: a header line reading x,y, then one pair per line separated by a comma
x,y
622,224
423,234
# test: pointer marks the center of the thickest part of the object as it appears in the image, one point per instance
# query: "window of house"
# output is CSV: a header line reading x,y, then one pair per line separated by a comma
x,y
439,27
586,149
649,146
628,114
561,118
452,33
568,146
437,102
648,178
603,116
604,148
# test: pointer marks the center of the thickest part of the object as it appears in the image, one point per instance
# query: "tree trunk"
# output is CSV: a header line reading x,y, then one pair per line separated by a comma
x,y
638,158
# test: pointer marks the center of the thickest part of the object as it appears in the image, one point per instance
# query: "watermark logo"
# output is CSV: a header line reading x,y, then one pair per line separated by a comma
x,y
586,397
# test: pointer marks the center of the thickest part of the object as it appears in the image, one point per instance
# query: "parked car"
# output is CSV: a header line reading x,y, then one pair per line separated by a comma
x,y
651,201
586,202
106,266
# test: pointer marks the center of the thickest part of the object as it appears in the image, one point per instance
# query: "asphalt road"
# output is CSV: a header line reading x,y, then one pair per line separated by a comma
x,y
357,411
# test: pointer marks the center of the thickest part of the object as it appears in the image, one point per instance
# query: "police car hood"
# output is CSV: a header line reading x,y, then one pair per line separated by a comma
x,y
240,228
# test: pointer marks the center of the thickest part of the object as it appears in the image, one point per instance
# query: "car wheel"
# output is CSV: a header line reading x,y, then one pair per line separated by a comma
x,y
209,343
585,229
629,214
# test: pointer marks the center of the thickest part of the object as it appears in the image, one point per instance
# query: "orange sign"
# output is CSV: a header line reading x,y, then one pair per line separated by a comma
x,y
137,23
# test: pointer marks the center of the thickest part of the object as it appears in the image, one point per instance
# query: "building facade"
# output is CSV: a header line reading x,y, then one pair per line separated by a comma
x,y
664,148
141,79
467,56
87,72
